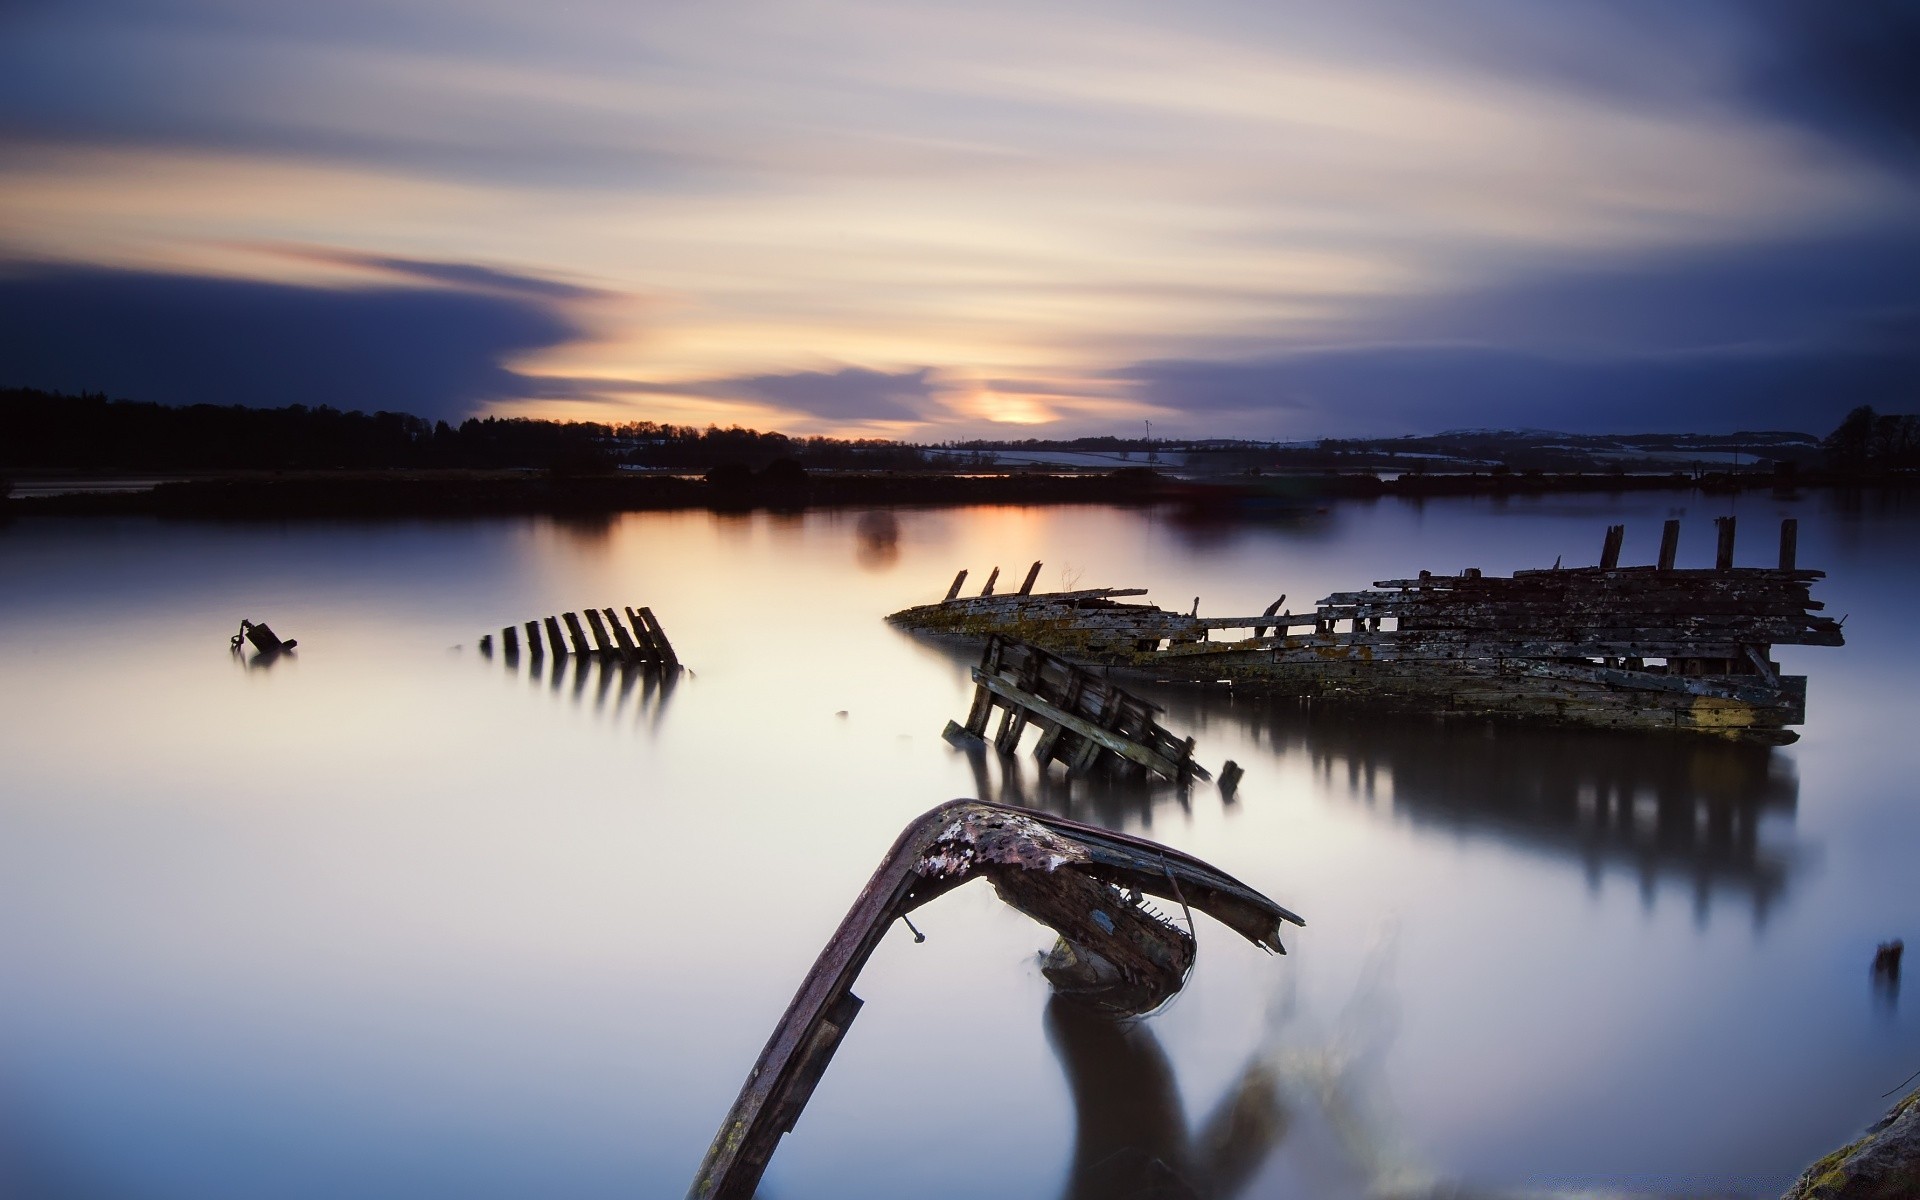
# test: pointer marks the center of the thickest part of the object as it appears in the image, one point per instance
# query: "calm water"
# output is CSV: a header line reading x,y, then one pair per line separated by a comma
x,y
388,919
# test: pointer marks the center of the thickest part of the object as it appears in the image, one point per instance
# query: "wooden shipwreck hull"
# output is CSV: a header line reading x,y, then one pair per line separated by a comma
x,y
1627,647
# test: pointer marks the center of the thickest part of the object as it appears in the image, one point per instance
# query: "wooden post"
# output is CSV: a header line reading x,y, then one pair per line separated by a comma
x,y
486,644
1610,551
667,656
627,647
533,639
642,637
510,640
554,639
601,641
1260,630
981,710
1033,573
576,634
1669,544
1789,542
1723,557
988,590
957,581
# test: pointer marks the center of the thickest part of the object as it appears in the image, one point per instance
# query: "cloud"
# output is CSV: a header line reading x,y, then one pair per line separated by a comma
x,y
1425,389
857,395
183,339
1845,70
849,394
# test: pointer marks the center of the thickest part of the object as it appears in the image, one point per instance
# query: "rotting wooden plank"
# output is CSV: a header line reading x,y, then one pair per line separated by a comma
x,y
1033,573
1669,544
619,631
601,641
957,581
667,656
1610,550
642,637
1723,553
577,635
533,639
554,639
994,575
1124,747
1789,542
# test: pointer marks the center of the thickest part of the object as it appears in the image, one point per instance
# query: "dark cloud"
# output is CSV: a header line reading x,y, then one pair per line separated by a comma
x,y
849,394
1741,295
463,276
181,339
1849,70
1788,336
1426,389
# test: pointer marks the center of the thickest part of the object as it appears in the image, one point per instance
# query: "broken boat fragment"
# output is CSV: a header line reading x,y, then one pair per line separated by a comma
x,y
1085,882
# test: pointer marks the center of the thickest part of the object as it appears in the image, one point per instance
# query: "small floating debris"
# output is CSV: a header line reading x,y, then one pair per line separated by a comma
x,y
1647,647
646,643
267,644
1114,953
1084,720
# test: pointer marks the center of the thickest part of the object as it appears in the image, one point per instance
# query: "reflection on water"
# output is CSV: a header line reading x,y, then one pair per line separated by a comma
x,y
1131,1137
877,540
1682,807
606,685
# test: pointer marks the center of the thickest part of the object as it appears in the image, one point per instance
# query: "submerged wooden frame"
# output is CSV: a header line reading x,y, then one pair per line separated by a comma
x,y
1042,865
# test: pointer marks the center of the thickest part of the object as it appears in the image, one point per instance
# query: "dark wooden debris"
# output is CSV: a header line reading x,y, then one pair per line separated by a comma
x,y
1084,720
1610,645
264,641
640,640
1087,883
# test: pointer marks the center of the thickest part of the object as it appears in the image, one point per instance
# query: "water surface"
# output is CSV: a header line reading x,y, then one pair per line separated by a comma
x,y
390,919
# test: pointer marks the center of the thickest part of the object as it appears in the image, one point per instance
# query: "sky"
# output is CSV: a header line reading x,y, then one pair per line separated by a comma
x,y
1231,218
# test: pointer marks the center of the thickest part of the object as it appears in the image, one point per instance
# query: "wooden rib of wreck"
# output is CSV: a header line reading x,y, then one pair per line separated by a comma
x,y
1083,720
1113,953
608,641
1626,647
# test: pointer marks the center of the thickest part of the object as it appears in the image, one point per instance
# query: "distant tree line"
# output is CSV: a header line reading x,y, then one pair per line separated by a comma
x,y
1870,441
90,432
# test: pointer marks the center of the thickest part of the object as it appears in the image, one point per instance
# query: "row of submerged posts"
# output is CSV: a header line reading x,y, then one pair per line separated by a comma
x,y
640,640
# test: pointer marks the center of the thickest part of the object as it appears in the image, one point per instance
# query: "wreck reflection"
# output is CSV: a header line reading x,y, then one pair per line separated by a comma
x,y
609,687
1667,808
1131,1135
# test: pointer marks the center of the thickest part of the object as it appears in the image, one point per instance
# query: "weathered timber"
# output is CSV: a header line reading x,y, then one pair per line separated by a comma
x,y
627,647
1033,573
658,637
1789,543
1112,952
647,646
601,641
1669,545
1622,646
1080,714
576,634
1610,552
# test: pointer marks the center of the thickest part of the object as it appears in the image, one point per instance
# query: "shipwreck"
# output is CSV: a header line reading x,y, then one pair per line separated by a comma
x,y
1638,647
1115,955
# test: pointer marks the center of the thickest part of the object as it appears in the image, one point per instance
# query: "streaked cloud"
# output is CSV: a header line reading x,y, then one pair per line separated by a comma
x,y
837,198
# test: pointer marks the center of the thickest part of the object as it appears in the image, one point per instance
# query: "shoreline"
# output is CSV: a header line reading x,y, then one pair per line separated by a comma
x,y
477,493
